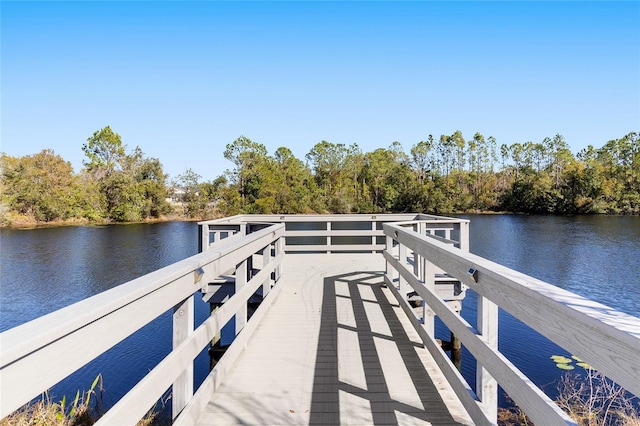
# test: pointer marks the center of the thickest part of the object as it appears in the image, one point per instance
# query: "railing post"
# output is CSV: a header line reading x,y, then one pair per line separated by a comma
x,y
388,247
182,327
402,285
266,258
241,281
428,316
203,243
373,231
416,256
486,385
329,237
464,236
278,247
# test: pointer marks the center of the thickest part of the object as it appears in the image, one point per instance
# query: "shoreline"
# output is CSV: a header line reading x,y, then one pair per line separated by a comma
x,y
24,223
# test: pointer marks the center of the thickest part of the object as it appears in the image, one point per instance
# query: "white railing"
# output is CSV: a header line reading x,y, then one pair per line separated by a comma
x,y
419,249
40,353
606,339
348,233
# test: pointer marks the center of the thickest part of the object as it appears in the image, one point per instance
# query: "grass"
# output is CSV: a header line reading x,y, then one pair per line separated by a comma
x,y
590,399
85,410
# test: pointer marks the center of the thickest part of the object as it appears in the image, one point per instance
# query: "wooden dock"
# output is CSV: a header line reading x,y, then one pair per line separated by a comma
x,y
334,348
335,339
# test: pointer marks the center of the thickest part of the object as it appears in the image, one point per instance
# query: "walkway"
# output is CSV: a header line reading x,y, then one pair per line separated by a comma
x,y
335,348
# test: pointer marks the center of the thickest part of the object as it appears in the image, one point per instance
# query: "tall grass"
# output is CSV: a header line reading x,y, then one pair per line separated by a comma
x,y
590,399
86,408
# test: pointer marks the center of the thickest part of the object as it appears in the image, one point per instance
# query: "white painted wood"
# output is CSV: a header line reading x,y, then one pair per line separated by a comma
x,y
612,342
266,256
528,396
430,283
486,385
402,283
337,233
278,251
183,320
454,378
42,352
240,282
203,232
137,402
282,393
196,405
464,236
333,248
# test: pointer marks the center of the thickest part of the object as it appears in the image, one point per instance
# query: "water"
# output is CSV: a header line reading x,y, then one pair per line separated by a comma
x,y
593,256
43,270
46,269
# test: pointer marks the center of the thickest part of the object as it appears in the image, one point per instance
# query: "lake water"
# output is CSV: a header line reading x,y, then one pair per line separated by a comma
x,y
43,270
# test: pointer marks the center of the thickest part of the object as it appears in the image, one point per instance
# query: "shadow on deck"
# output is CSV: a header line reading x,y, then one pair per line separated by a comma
x,y
394,385
334,349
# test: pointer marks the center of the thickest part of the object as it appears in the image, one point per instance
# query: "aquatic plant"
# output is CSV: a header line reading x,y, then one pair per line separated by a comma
x,y
564,363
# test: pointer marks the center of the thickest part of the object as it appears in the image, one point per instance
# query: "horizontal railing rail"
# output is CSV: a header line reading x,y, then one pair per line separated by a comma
x,y
40,353
346,233
606,339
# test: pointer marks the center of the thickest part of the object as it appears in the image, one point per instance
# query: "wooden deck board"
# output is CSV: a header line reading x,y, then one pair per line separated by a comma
x,y
334,349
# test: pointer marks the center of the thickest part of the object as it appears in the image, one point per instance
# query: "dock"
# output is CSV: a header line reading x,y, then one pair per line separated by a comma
x,y
335,348
343,334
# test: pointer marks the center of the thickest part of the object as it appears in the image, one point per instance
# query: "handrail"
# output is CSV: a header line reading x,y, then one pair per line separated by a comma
x,y
330,233
38,354
606,339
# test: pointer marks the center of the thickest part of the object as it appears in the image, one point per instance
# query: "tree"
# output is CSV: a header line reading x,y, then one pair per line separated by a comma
x,y
133,186
247,157
188,189
420,158
42,186
104,150
389,175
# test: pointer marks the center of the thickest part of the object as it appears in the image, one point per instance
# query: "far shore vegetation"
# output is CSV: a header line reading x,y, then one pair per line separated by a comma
x,y
449,174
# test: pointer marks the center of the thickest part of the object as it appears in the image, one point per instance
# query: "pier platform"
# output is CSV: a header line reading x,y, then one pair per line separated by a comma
x,y
334,348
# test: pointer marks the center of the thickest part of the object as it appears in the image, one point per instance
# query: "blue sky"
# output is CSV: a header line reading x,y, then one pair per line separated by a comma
x,y
183,79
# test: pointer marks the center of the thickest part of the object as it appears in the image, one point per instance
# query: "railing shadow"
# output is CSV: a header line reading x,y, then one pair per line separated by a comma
x,y
380,394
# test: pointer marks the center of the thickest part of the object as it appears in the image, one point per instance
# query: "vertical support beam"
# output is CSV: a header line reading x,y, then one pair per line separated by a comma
x,y
278,248
266,259
486,385
416,256
389,248
402,285
464,236
182,327
373,236
203,243
329,236
422,230
430,283
241,280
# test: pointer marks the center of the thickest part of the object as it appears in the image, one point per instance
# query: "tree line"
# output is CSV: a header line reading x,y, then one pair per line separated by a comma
x,y
437,175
